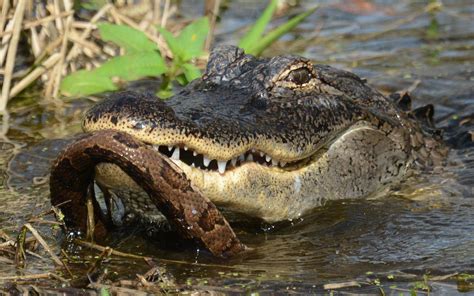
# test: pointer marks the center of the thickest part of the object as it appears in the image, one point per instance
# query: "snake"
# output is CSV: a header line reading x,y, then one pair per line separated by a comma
x,y
192,214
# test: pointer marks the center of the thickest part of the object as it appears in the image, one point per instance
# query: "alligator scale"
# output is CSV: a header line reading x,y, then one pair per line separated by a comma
x,y
271,138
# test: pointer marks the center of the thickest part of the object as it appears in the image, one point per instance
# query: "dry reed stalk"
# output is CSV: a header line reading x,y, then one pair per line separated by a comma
x,y
74,50
164,16
115,18
67,27
156,10
46,66
35,23
83,25
74,38
212,13
147,21
3,16
4,43
49,79
35,43
49,49
58,21
12,48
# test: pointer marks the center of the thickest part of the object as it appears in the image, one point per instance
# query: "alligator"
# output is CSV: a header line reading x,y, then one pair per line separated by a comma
x,y
271,138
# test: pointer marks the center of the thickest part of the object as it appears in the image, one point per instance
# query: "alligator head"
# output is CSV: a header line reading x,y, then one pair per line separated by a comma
x,y
268,137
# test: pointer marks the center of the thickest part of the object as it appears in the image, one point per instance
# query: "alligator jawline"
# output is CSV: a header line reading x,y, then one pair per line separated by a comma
x,y
199,161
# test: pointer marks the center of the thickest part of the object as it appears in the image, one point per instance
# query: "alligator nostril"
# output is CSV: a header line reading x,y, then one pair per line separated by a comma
x,y
195,116
259,102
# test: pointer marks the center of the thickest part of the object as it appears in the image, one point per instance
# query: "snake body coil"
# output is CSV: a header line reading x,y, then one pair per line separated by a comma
x,y
193,215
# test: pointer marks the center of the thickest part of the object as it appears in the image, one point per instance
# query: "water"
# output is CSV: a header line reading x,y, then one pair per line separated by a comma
x,y
426,228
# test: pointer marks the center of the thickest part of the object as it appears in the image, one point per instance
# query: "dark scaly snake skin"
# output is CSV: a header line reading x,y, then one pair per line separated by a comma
x,y
193,215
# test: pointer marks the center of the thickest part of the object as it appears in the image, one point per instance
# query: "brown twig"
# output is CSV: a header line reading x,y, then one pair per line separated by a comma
x,y
40,239
102,249
147,259
26,277
333,286
11,243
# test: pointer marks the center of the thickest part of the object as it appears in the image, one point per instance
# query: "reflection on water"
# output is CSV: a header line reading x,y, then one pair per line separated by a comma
x,y
428,226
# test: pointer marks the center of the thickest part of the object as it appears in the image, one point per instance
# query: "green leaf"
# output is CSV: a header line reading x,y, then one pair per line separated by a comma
x,y
133,66
254,34
126,37
191,72
91,5
86,83
189,43
181,79
268,39
172,42
164,93
127,67
192,38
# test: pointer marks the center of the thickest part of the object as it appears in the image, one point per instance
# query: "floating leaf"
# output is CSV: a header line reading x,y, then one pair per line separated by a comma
x,y
126,37
254,34
86,83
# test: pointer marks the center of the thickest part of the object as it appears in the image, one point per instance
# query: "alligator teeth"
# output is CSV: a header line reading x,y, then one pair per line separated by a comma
x,y
205,161
221,166
175,154
194,160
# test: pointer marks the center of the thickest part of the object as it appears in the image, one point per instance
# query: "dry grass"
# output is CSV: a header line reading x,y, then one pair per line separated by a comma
x,y
59,42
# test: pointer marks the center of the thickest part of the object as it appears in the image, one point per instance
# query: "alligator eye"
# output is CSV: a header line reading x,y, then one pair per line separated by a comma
x,y
299,76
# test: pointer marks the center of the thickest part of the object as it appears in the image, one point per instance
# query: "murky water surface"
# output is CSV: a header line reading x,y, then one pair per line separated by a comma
x,y
428,228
